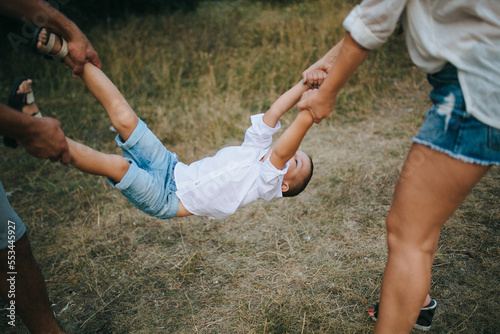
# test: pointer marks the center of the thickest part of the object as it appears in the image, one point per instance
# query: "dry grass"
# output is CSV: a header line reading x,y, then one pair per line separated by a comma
x,y
311,264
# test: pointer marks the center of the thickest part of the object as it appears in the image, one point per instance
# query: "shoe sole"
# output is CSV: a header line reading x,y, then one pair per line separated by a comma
x,y
422,328
417,326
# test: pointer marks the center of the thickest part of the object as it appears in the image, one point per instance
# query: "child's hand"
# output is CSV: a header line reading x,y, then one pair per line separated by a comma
x,y
315,78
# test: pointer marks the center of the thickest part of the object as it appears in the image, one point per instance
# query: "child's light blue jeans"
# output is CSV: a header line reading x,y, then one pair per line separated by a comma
x,y
149,183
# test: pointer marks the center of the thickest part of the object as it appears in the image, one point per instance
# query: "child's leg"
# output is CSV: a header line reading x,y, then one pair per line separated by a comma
x,y
122,116
120,113
94,162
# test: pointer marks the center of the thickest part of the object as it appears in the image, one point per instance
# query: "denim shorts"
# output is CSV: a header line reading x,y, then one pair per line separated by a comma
x,y
450,129
11,226
149,183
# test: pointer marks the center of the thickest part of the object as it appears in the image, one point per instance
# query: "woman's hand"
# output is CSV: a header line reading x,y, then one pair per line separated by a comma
x,y
319,105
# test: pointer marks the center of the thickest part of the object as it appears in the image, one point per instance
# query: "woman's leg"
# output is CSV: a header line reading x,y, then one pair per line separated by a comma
x,y
94,162
431,187
122,116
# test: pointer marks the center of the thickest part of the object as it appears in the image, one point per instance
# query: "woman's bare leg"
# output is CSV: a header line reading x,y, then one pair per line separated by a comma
x,y
122,116
431,187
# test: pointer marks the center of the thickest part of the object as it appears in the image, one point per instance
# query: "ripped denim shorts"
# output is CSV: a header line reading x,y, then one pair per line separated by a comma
x,y
450,129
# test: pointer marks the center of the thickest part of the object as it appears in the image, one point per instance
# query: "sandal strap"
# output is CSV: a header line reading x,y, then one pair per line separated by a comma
x,y
63,52
29,98
46,48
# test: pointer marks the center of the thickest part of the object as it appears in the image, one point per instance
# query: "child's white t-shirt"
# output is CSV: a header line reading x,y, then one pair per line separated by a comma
x,y
234,177
465,33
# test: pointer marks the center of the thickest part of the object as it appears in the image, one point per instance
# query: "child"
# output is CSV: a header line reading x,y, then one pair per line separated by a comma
x,y
151,177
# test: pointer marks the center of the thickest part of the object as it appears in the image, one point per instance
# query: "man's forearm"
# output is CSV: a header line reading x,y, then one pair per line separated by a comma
x,y
39,13
41,137
13,123
33,10
284,103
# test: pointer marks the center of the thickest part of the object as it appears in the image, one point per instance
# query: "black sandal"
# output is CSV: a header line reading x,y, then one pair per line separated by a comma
x,y
17,101
49,46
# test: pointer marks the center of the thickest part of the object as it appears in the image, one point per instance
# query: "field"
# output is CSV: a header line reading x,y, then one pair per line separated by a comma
x,y
311,264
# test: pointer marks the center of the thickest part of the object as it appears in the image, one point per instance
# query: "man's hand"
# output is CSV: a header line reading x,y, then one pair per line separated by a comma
x,y
81,51
79,47
45,139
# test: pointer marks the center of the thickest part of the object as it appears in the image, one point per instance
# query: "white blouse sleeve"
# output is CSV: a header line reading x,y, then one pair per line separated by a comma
x,y
373,21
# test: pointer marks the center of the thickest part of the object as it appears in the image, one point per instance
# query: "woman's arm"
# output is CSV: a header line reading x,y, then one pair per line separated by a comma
x,y
286,101
321,102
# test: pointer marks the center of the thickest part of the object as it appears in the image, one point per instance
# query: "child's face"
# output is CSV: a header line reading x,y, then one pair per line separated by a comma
x,y
299,167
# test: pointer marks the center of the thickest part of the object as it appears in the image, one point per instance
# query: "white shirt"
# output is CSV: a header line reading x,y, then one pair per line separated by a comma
x,y
234,177
465,33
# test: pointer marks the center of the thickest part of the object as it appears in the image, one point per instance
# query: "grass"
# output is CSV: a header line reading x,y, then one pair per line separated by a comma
x,y
312,264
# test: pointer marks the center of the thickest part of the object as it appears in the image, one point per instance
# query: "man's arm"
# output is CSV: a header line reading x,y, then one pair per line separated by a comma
x,y
349,57
41,137
36,11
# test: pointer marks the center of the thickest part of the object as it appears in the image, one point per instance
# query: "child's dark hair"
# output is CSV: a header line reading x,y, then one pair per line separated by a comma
x,y
297,188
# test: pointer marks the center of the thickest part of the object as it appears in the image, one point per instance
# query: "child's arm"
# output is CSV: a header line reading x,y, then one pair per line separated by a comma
x,y
284,103
289,142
